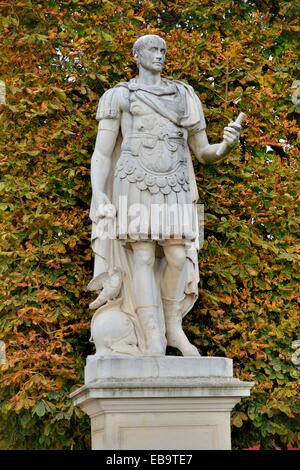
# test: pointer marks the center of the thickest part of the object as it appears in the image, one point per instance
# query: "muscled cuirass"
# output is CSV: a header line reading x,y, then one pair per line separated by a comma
x,y
154,151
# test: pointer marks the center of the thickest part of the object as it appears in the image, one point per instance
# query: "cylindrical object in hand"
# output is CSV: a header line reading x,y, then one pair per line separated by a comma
x,y
223,145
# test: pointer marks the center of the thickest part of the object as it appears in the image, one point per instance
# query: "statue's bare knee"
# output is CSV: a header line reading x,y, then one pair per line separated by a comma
x,y
144,254
176,256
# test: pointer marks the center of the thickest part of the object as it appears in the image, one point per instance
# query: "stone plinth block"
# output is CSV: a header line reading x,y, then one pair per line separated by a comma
x,y
160,402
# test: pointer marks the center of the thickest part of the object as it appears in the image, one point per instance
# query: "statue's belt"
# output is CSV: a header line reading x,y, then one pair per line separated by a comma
x,y
172,141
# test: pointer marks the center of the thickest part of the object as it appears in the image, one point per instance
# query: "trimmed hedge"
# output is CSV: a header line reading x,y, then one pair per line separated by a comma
x,y
58,57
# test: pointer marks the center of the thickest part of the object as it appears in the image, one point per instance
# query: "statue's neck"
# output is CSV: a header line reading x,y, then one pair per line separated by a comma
x,y
146,77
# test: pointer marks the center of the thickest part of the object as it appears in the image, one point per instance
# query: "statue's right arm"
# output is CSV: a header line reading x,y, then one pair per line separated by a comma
x,y
101,159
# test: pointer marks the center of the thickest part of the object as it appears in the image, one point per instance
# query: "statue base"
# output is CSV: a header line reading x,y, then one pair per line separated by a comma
x,y
160,402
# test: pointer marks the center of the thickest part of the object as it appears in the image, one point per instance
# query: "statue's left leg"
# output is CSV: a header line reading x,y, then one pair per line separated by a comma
x,y
172,294
146,298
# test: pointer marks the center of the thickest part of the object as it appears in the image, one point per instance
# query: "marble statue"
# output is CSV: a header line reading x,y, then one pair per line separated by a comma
x,y
145,232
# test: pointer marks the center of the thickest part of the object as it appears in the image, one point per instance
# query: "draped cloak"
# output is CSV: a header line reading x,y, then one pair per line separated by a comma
x,y
177,102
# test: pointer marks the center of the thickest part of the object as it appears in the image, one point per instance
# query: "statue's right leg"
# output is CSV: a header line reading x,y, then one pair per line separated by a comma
x,y
173,291
146,297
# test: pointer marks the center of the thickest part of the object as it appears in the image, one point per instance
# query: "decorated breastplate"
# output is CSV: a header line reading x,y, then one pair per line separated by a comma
x,y
154,154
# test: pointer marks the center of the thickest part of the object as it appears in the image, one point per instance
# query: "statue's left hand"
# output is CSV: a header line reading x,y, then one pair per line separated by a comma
x,y
105,209
232,134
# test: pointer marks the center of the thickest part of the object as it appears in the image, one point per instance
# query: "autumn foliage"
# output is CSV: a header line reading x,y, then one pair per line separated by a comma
x,y
58,57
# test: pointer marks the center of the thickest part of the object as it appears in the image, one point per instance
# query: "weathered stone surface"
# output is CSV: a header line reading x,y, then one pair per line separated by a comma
x,y
178,368
160,403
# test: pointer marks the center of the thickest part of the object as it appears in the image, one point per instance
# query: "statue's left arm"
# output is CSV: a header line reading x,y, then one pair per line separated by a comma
x,y
198,141
210,153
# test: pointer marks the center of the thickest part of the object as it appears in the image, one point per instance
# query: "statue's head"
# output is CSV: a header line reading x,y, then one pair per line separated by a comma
x,y
149,52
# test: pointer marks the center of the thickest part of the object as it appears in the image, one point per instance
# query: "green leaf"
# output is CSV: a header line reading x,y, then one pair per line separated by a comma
x,y
39,409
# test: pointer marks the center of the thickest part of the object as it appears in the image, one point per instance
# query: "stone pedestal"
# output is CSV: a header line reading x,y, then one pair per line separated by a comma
x,y
160,402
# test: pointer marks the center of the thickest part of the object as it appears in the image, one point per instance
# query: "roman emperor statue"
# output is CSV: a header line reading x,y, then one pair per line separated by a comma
x,y
145,234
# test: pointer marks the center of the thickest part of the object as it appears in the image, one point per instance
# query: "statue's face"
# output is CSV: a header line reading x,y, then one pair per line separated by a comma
x,y
152,56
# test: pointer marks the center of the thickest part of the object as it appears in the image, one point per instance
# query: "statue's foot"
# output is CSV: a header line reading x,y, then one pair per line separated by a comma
x,y
175,334
154,338
180,341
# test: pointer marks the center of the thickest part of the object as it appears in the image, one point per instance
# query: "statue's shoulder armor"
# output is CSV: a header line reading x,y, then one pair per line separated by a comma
x,y
190,92
177,83
110,103
195,105
185,86
121,84
185,89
